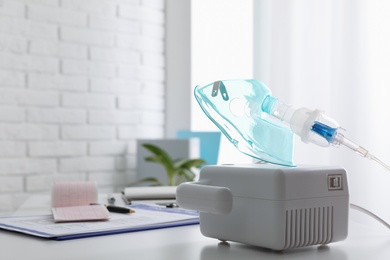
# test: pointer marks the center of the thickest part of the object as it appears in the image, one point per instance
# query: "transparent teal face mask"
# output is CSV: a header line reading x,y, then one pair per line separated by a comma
x,y
236,108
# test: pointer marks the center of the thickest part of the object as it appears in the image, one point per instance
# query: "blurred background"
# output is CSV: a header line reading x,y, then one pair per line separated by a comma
x,y
82,81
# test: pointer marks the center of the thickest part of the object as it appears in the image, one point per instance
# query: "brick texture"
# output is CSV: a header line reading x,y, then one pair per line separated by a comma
x,y
80,82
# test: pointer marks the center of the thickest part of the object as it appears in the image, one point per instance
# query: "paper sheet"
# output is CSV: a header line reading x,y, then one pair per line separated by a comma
x,y
66,194
80,213
71,202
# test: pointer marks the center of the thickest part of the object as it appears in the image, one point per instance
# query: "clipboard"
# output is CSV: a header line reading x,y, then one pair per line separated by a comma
x,y
147,217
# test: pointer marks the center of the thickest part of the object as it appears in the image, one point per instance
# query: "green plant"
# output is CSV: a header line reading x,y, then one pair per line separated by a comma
x,y
177,170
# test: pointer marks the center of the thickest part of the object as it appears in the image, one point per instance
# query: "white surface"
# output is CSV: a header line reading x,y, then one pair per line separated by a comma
x,y
367,240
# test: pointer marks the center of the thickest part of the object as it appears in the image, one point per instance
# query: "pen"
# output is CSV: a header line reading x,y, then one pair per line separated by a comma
x,y
117,209
168,204
112,208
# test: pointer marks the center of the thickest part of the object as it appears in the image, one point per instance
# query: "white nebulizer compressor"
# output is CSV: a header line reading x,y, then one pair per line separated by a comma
x,y
277,205
270,206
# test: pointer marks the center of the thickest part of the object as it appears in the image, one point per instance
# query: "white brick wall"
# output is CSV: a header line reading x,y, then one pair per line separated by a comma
x,y
80,81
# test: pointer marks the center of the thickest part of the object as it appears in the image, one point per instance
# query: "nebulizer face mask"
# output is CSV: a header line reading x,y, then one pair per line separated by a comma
x,y
259,125
235,107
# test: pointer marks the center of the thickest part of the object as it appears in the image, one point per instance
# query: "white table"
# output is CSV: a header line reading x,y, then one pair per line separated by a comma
x,y
367,239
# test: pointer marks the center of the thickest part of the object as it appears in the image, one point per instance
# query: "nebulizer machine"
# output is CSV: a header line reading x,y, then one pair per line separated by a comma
x,y
273,204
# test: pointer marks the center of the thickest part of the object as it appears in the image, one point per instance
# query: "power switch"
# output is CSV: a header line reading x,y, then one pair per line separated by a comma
x,y
335,182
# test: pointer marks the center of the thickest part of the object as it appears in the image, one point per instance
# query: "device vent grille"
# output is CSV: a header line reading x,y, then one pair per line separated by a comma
x,y
308,226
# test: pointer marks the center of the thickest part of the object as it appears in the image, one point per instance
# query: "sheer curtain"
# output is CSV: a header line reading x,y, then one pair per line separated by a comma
x,y
333,56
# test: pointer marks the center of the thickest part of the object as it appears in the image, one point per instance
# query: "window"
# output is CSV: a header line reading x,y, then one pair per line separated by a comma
x,y
221,48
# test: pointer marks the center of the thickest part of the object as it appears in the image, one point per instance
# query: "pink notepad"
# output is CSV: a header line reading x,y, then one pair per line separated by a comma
x,y
71,202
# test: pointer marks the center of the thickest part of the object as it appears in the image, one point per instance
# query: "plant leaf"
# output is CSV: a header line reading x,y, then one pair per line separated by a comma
x,y
156,159
177,169
184,175
154,181
161,156
178,163
188,174
157,151
179,178
193,163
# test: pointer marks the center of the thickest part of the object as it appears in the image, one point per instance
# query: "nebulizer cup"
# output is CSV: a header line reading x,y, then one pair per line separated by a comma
x,y
313,126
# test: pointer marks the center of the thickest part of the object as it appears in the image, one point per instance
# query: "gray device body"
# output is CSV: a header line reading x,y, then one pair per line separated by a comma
x,y
270,206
